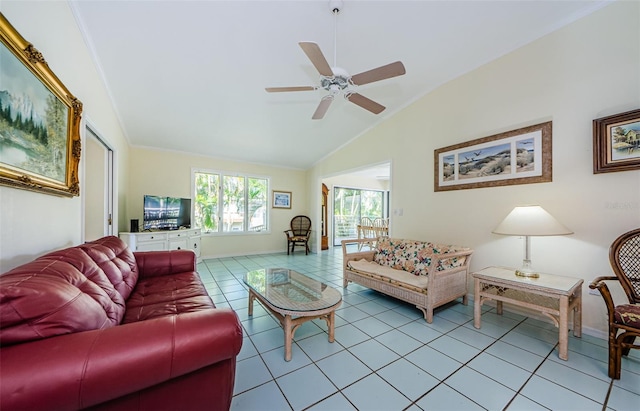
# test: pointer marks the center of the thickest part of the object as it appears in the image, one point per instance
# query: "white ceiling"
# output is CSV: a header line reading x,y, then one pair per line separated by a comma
x,y
190,75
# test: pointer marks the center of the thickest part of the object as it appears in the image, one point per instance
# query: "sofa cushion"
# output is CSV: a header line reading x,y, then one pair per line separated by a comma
x,y
77,289
414,256
393,276
49,297
166,295
628,314
115,261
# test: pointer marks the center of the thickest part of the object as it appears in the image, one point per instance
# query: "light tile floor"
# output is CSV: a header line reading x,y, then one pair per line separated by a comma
x,y
386,357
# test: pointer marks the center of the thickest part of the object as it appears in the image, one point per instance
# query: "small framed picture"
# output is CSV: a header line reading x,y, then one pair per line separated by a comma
x,y
616,142
281,199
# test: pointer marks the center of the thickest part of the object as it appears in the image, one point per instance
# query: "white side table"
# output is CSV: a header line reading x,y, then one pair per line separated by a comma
x,y
553,295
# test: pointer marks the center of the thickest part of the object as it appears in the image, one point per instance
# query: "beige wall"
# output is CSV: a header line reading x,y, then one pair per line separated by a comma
x,y
587,70
33,223
349,181
163,173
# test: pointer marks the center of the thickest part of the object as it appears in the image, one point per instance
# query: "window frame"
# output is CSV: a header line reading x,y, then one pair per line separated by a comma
x,y
221,175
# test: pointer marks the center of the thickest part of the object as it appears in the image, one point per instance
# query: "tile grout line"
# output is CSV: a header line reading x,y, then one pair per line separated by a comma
x,y
464,365
232,271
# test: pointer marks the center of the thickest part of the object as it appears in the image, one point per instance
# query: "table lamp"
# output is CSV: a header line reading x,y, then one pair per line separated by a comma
x,y
530,221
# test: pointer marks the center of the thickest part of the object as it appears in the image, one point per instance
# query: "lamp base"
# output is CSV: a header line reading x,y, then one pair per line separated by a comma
x,y
526,270
527,274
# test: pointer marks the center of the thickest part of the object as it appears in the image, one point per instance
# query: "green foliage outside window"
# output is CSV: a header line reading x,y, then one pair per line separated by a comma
x,y
351,205
207,187
225,203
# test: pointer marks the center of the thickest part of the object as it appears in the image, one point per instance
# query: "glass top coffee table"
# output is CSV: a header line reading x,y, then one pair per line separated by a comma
x,y
293,298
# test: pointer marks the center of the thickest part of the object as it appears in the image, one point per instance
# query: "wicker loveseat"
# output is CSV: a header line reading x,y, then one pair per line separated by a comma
x,y
418,272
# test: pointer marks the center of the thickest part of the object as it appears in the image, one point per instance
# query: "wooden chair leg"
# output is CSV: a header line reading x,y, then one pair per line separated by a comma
x,y
628,341
612,362
618,362
619,346
612,352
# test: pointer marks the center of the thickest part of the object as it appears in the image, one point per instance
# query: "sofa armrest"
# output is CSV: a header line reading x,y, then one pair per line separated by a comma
x,y
158,263
356,255
450,282
79,370
444,259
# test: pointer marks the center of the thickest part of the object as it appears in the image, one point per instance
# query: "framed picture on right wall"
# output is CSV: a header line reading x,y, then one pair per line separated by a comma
x,y
521,156
616,142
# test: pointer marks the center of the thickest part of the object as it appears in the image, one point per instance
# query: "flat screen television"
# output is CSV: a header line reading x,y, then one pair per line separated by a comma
x,y
166,213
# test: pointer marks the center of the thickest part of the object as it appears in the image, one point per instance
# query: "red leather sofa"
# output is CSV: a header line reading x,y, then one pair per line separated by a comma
x,y
97,326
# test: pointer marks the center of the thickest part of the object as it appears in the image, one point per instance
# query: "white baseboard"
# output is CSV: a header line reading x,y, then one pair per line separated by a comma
x,y
245,254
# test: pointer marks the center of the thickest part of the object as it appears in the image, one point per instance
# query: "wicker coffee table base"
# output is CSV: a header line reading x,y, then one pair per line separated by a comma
x,y
291,320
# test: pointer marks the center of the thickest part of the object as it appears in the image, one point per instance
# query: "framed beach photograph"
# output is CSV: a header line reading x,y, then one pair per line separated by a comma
x,y
616,142
521,156
39,121
281,199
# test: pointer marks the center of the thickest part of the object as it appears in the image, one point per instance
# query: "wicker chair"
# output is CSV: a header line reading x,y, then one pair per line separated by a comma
x,y
299,233
624,319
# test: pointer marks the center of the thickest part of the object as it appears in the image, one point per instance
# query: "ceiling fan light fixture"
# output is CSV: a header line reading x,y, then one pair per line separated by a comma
x,y
339,80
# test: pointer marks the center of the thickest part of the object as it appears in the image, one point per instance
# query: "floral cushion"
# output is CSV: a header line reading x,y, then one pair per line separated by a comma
x,y
414,256
628,314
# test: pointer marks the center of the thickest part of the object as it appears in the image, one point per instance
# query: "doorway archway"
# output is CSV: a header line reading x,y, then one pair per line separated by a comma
x,y
374,178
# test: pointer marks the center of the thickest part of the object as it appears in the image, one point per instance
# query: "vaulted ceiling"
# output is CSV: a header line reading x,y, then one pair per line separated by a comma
x,y
191,75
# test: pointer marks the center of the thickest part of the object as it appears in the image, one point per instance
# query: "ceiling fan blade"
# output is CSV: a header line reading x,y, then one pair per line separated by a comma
x,y
365,103
380,73
322,107
312,50
297,88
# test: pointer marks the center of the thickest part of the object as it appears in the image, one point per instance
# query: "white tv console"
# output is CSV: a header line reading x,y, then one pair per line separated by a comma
x,y
186,239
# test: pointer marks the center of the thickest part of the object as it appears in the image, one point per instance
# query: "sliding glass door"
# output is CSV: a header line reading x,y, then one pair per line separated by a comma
x,y
350,205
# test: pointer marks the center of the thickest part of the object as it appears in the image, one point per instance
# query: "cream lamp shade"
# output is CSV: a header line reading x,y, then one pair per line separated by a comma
x,y
530,221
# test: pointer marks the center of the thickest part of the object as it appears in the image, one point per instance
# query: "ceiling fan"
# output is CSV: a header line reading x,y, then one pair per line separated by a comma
x,y
337,80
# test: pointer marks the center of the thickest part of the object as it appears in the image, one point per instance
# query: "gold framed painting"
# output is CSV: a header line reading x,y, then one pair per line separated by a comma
x,y
39,121
521,156
616,142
